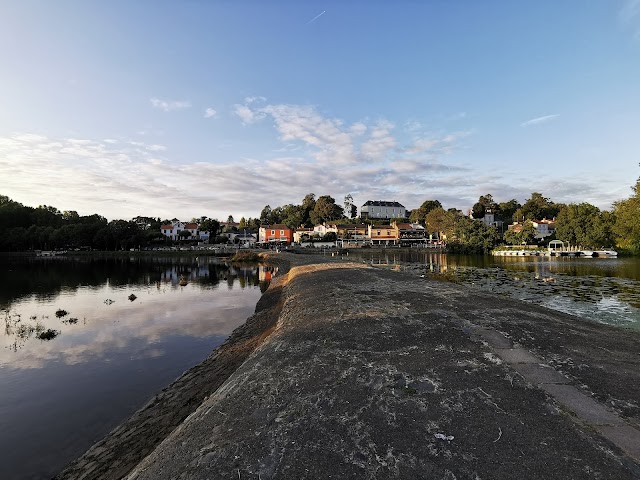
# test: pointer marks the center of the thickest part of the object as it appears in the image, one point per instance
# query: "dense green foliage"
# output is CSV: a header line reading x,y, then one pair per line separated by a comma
x,y
524,236
310,212
471,236
46,228
584,224
626,228
537,208
419,215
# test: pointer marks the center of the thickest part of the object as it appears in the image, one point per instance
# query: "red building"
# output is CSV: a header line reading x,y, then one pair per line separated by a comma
x,y
276,234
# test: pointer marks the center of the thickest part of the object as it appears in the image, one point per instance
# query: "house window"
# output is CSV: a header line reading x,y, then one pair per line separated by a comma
x,y
281,233
273,232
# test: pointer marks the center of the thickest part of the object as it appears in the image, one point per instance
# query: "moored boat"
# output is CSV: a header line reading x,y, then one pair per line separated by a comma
x,y
605,253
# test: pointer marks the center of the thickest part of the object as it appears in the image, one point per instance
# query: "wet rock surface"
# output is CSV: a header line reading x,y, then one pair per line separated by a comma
x,y
370,373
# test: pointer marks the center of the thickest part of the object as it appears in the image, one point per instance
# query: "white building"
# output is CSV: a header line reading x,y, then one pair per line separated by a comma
x,y
173,230
544,227
382,209
322,230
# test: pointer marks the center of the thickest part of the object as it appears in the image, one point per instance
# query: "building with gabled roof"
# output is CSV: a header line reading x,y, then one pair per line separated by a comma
x,y
382,209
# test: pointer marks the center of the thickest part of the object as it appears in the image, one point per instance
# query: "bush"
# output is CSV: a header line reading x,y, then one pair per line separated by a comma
x,y
246,257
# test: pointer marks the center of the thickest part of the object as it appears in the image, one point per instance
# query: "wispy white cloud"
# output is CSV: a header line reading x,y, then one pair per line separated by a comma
x,y
247,115
370,159
169,105
210,113
539,120
156,148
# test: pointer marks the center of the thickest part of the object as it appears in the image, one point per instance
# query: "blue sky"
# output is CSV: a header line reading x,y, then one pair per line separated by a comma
x,y
183,109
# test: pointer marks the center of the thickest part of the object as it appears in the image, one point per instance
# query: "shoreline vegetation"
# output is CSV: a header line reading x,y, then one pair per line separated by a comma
x,y
487,225
581,350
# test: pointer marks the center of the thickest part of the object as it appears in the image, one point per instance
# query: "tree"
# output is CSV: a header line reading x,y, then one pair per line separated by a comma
x,y
326,210
292,215
210,225
507,210
265,215
440,222
524,235
484,203
70,216
230,219
308,205
537,208
419,214
627,221
243,223
472,237
584,224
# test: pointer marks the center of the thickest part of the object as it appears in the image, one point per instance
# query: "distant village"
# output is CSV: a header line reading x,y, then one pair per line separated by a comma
x,y
321,222
384,223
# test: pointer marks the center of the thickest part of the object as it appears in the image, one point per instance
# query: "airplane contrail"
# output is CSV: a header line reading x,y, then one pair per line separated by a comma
x,y
316,17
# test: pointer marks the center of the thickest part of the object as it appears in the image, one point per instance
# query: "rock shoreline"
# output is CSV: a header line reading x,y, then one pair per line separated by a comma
x,y
348,371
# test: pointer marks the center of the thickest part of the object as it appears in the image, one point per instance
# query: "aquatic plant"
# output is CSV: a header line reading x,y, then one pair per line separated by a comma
x,y
61,313
48,334
71,321
132,297
249,257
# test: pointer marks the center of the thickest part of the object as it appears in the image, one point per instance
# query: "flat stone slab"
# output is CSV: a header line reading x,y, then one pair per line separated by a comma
x,y
585,407
517,355
494,338
625,437
539,374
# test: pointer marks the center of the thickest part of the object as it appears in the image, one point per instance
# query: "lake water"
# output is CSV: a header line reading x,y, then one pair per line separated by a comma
x,y
67,379
605,290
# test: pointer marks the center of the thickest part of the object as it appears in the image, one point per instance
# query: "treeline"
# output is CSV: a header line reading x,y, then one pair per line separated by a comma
x,y
310,212
577,224
46,228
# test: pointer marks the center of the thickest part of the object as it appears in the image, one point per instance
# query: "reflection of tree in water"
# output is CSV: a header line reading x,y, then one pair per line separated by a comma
x,y
48,277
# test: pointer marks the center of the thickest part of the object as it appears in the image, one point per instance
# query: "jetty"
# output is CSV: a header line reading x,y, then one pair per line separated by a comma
x,y
352,371
556,248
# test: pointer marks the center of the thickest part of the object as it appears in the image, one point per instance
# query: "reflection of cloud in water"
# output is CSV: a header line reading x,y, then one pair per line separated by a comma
x,y
150,320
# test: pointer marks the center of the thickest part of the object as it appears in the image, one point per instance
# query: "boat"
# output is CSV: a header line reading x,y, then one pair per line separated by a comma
x,y
586,253
605,253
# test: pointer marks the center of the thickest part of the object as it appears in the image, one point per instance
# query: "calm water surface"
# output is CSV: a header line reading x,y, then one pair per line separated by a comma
x,y
68,379
599,289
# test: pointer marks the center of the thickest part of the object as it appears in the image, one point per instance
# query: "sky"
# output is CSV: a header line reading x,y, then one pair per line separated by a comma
x,y
190,108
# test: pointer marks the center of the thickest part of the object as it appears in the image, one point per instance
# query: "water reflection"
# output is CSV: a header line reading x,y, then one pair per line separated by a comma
x,y
34,317
90,341
603,290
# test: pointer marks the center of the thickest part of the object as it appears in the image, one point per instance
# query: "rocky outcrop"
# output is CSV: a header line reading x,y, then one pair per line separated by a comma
x,y
369,373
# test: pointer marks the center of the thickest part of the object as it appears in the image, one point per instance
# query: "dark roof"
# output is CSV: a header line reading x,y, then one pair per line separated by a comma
x,y
382,203
277,226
